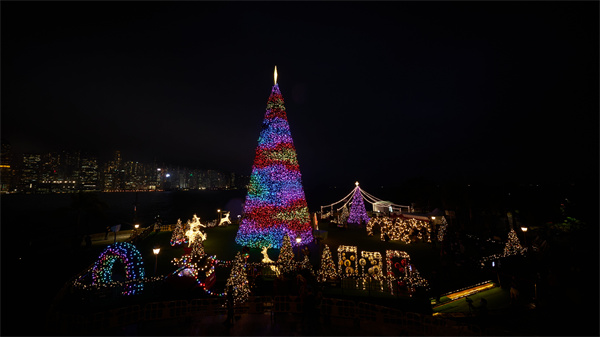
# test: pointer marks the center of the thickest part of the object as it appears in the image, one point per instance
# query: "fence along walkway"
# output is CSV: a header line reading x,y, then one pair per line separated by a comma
x,y
336,312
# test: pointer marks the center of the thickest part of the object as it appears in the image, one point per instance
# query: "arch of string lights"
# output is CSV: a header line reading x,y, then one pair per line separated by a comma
x,y
275,203
350,197
131,258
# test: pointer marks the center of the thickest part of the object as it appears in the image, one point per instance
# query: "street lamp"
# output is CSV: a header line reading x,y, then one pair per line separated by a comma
x,y
156,250
136,226
298,240
524,229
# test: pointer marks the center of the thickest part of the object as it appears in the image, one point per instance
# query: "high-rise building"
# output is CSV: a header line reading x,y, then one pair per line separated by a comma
x,y
6,168
90,175
30,172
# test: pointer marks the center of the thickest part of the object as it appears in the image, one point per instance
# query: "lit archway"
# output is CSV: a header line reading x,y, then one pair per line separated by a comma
x,y
131,258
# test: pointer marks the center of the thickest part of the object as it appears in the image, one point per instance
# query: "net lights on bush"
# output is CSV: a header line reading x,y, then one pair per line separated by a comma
x,y
400,228
130,257
275,203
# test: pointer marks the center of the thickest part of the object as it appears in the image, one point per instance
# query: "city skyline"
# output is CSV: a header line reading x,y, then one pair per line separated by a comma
x,y
74,171
378,93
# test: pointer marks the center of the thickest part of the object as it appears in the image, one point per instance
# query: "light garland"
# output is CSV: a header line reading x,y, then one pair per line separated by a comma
x,y
203,275
275,204
130,256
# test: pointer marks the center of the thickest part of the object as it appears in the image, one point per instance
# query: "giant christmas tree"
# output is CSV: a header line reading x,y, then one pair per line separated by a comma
x,y
275,203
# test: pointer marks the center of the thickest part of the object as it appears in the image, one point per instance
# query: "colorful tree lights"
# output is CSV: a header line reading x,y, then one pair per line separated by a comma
x,y
131,258
275,203
358,213
327,270
178,236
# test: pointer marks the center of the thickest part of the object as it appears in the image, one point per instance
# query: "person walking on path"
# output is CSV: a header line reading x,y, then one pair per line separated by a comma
x,y
107,231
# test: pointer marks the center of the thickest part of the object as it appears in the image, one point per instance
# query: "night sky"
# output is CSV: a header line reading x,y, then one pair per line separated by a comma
x,y
374,92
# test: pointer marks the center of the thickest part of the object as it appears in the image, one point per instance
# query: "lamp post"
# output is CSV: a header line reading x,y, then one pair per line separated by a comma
x,y
135,230
298,240
156,250
524,229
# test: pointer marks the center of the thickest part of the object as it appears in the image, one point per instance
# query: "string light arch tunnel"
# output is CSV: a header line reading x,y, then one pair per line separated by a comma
x,y
130,257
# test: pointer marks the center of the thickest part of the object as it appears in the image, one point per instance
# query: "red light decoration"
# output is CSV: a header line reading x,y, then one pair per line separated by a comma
x,y
275,204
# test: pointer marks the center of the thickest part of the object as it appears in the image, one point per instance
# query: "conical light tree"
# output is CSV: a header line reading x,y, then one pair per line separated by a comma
x,y
344,216
286,256
275,203
327,270
513,246
198,245
358,213
305,264
238,280
178,236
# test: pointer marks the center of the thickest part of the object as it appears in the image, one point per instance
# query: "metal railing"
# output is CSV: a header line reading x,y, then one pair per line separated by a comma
x,y
334,311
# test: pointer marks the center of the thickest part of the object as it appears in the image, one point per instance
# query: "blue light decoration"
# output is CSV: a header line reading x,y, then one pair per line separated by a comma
x,y
358,213
131,258
275,203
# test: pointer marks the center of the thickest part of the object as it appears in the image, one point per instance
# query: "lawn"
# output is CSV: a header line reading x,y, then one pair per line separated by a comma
x,y
221,243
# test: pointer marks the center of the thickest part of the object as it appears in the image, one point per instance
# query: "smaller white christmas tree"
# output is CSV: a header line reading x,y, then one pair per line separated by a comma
x,y
327,270
238,280
344,216
286,256
513,246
